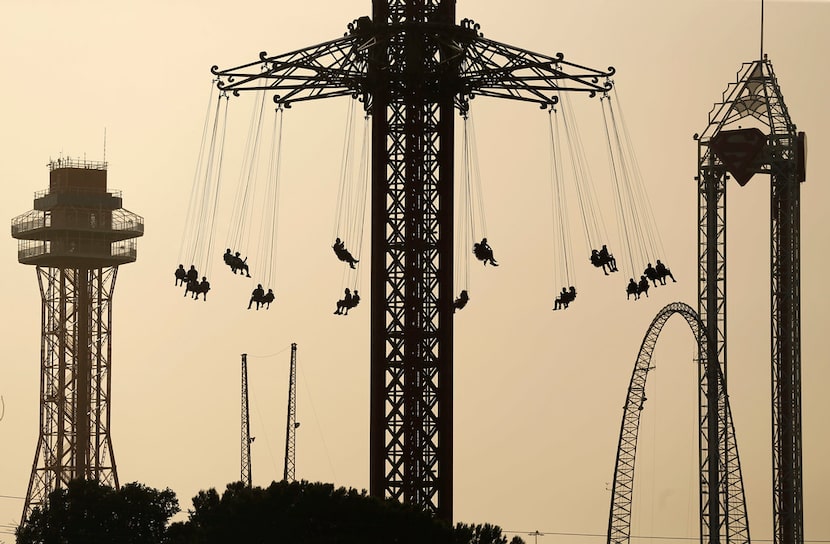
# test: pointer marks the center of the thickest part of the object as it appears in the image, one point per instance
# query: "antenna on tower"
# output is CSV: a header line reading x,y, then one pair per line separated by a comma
x,y
245,471
105,144
762,31
291,423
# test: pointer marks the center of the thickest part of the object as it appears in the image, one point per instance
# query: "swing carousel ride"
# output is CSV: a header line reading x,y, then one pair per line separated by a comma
x,y
570,178
411,66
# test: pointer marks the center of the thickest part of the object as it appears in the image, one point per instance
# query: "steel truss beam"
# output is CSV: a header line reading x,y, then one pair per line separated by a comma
x,y
756,95
411,65
468,65
74,439
725,449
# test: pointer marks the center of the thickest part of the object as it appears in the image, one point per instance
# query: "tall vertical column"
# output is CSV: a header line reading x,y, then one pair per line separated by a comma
x,y
786,341
412,256
245,475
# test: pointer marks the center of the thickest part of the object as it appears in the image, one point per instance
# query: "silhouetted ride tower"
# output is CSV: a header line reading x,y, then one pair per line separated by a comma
x,y
768,143
77,235
412,65
291,424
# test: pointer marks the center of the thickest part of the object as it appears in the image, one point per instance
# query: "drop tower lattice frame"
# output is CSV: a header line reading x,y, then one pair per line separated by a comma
x,y
412,65
756,100
77,235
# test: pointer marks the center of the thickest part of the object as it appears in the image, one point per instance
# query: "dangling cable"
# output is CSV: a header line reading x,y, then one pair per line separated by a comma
x,y
560,226
267,254
477,213
351,209
208,250
361,197
464,229
201,213
343,221
240,226
592,220
653,238
623,224
187,247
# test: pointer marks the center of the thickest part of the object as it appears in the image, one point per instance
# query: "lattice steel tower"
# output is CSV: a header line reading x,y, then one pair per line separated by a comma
x,y
411,65
76,236
768,143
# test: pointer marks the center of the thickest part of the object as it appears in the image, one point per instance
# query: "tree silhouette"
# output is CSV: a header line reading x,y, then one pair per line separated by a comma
x,y
87,512
303,512
482,534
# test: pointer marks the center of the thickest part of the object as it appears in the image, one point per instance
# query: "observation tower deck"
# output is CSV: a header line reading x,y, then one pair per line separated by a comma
x,y
77,222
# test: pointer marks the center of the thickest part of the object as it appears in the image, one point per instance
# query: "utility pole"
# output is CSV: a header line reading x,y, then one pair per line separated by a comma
x,y
411,65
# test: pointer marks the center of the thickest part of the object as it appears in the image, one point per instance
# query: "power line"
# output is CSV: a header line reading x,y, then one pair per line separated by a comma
x,y
644,537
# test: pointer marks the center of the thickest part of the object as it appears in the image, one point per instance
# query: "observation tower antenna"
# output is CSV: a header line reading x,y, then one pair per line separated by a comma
x,y
76,236
411,65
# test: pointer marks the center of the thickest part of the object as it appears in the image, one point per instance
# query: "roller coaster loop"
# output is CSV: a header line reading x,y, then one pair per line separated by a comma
x,y
722,502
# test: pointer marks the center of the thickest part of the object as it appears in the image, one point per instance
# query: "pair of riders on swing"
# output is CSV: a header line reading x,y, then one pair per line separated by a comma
x,y
602,258
236,262
260,297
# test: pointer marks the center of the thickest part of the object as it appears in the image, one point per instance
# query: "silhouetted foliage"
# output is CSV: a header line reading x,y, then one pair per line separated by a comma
x,y
87,512
482,534
303,512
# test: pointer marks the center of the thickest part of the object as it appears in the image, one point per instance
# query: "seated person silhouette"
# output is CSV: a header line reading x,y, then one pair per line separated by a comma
x,y
597,262
631,289
192,274
461,301
642,287
228,257
256,296
204,287
662,272
606,257
347,302
565,297
238,263
651,274
484,252
268,298
342,253
181,275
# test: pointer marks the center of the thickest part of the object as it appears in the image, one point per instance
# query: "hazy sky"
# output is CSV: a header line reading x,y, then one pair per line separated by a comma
x,y
539,394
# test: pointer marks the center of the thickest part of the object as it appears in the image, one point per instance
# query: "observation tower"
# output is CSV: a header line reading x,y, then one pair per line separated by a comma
x,y
76,236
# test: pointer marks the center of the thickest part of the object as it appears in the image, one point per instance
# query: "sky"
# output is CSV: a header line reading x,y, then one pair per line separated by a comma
x,y
538,394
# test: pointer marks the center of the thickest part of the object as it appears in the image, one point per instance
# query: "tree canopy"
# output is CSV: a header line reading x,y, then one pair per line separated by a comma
x,y
87,512
304,512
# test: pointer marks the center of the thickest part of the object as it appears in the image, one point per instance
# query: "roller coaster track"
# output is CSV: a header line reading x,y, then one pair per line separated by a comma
x,y
725,495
